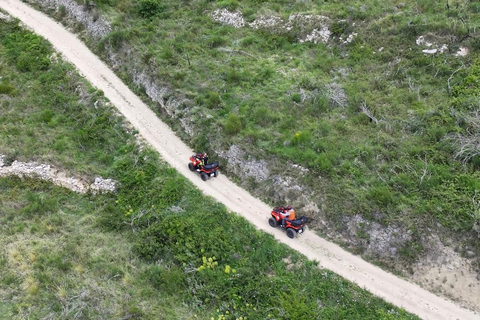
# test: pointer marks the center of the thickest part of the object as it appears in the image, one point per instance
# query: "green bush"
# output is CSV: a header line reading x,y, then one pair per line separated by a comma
x,y
166,53
7,88
233,124
382,195
216,41
170,280
234,76
297,97
210,99
301,138
231,5
265,117
338,28
28,50
116,39
149,8
323,162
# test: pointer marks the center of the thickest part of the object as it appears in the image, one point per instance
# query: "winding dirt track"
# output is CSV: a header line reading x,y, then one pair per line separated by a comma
x,y
395,290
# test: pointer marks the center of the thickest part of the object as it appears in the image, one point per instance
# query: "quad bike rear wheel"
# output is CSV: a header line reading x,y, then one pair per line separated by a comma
x,y
291,233
204,176
272,222
215,173
191,167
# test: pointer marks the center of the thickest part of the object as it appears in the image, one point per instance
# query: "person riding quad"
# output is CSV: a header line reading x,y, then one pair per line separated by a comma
x,y
203,157
287,213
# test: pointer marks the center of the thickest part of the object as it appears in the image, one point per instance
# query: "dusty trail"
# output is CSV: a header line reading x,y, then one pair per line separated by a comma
x,y
395,290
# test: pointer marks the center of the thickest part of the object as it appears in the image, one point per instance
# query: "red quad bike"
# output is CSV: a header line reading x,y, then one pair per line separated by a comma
x,y
206,171
293,227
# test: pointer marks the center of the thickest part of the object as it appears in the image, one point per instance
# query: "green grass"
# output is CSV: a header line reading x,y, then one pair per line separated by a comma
x,y
155,249
259,89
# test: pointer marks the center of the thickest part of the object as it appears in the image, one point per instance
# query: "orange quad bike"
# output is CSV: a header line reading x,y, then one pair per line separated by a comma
x,y
206,170
292,227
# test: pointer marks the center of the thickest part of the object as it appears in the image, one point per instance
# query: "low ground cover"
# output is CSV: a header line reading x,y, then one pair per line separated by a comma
x,y
385,130
155,248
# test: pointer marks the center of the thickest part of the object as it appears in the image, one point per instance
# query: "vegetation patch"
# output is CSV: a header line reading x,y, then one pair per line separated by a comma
x,y
158,241
388,126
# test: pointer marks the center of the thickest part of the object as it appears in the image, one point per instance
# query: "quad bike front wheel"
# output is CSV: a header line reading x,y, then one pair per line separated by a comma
x,y
272,222
204,176
215,173
291,233
191,167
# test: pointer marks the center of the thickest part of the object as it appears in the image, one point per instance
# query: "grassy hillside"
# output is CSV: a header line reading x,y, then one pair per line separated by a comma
x,y
155,249
386,131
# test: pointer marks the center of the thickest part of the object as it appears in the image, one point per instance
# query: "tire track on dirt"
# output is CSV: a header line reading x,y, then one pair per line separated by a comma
x,y
330,256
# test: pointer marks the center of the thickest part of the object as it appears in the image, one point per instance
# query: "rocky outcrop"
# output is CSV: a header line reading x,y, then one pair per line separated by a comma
x,y
55,176
96,25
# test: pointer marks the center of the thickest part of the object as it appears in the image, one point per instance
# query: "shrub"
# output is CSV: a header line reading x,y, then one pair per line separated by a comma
x,y
301,138
62,11
264,117
382,195
29,51
216,41
231,5
264,73
323,162
297,306
6,88
116,38
166,53
297,97
233,76
248,41
338,28
212,99
233,124
150,8
171,280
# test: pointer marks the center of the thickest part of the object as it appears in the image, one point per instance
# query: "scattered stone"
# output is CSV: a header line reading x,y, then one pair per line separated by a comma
x,y
96,25
162,94
470,254
442,49
5,17
350,39
317,35
272,23
382,241
249,167
234,19
101,185
436,48
462,52
311,28
47,173
421,41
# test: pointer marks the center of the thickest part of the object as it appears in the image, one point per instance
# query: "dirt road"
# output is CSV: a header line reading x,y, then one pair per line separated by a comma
x,y
395,290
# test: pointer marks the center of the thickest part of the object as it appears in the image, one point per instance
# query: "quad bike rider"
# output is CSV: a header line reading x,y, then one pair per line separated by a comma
x,y
198,162
285,218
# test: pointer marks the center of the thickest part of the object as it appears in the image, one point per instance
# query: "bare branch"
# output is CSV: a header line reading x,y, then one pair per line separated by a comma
x,y
368,113
451,77
425,170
